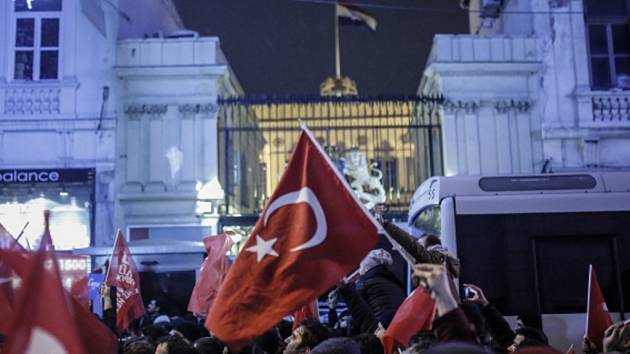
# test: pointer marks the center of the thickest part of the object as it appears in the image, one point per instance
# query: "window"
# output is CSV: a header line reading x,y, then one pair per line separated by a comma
x,y
36,39
608,26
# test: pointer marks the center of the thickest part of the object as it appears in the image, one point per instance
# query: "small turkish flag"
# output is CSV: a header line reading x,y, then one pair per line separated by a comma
x,y
42,322
414,314
597,317
123,274
312,232
310,310
9,280
211,274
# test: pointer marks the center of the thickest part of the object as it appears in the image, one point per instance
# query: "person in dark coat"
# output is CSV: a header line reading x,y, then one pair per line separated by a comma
x,y
379,287
377,295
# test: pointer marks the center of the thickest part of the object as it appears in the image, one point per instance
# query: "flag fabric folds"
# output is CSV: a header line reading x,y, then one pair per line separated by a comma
x,y
211,274
95,336
9,279
312,232
597,316
349,14
123,274
43,323
414,314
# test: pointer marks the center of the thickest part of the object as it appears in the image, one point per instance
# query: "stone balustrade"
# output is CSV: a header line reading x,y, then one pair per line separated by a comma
x,y
611,107
33,99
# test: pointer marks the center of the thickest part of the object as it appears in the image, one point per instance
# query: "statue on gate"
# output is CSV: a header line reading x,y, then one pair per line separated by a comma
x,y
365,180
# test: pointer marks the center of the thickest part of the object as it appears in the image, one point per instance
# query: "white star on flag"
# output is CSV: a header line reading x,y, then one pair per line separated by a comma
x,y
263,248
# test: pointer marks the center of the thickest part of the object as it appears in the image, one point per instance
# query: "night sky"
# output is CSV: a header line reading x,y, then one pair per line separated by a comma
x,y
287,46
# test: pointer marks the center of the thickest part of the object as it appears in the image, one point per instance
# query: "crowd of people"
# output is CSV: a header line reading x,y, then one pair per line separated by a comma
x,y
463,323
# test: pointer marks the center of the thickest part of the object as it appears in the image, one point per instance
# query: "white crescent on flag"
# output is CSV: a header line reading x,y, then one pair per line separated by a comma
x,y
304,195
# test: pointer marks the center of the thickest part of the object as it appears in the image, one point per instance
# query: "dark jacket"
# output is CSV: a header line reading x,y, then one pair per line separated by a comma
x,y
501,332
363,319
382,291
454,326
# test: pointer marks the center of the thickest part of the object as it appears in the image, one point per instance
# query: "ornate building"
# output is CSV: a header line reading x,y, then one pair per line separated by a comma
x,y
106,130
539,86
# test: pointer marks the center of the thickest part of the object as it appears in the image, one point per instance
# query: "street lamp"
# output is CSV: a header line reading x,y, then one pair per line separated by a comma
x,y
210,196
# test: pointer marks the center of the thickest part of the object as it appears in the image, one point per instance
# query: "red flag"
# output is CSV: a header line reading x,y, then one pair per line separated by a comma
x,y
312,232
9,280
310,310
211,274
42,322
123,274
96,337
414,314
597,317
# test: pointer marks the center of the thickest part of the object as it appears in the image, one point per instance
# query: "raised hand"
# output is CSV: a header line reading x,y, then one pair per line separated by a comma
x,y
478,295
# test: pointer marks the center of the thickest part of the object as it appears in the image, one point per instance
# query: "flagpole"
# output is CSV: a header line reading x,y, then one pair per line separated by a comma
x,y
588,298
337,54
111,256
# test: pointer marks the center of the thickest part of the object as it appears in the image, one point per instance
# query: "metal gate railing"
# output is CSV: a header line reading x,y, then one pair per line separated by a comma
x,y
399,138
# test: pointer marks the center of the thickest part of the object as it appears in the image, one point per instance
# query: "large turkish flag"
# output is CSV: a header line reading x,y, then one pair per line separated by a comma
x,y
312,232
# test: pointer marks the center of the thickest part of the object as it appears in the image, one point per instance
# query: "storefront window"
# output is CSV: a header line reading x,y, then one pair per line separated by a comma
x,y
24,198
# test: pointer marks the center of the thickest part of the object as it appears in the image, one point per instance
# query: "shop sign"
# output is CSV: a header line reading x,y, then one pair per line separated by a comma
x,y
46,175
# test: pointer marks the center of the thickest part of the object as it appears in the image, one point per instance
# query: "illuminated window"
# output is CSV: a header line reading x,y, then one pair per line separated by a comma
x,y
36,39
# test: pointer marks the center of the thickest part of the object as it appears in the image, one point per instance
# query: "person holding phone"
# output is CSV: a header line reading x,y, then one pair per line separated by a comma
x,y
502,334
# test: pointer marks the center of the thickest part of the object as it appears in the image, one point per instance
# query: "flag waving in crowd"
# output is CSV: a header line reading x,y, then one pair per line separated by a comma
x,y
43,323
302,244
597,316
310,310
123,274
415,314
8,277
95,336
211,274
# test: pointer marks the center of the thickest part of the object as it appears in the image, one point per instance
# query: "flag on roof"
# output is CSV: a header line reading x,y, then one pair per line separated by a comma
x,y
349,14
